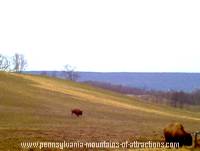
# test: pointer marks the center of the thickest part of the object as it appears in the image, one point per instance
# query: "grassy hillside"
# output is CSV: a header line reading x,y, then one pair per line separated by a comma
x,y
34,108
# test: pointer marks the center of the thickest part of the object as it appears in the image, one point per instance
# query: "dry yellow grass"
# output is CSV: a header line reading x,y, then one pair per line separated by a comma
x,y
83,94
34,108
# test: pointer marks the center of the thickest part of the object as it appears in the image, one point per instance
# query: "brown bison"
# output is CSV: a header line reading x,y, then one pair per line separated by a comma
x,y
77,112
175,133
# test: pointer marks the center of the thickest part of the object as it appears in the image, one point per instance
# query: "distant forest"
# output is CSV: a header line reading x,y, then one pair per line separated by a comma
x,y
173,98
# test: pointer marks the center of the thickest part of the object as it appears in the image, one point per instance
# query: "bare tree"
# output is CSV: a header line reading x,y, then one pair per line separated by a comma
x,y
4,63
70,73
19,62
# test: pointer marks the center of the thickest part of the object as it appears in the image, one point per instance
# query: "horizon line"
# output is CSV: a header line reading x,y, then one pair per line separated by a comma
x,y
116,71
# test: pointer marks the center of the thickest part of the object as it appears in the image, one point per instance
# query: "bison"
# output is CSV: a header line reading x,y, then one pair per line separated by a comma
x,y
175,132
77,112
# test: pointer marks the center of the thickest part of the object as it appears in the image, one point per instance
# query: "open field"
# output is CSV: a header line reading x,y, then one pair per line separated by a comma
x,y
37,108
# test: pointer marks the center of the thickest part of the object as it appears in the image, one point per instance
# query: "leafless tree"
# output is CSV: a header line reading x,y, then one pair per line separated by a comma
x,y
19,62
4,63
70,73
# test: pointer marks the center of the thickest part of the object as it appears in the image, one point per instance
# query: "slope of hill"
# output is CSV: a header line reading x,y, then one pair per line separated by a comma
x,y
38,108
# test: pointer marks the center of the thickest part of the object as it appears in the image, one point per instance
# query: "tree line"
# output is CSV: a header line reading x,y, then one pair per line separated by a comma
x,y
15,63
180,98
173,98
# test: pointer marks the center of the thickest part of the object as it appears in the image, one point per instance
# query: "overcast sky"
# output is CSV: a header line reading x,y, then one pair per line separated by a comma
x,y
103,35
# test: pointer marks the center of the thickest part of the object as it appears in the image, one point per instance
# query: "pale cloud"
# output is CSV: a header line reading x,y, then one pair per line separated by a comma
x,y
106,35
